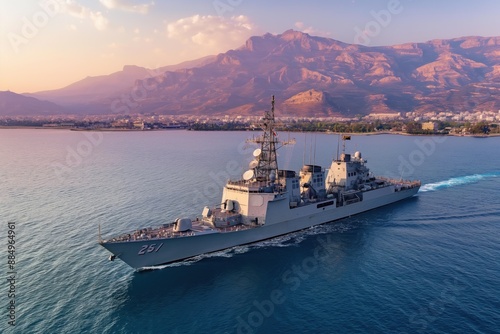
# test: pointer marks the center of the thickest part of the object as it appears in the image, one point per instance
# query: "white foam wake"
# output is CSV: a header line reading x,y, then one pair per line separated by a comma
x,y
457,181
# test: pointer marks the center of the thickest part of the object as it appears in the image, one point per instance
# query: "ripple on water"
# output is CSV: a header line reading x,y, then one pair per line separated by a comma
x,y
387,267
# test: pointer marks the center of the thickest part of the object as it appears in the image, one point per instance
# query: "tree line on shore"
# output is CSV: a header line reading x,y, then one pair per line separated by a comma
x,y
410,127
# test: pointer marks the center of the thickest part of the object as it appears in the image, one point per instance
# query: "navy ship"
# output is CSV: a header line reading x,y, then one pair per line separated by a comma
x,y
266,202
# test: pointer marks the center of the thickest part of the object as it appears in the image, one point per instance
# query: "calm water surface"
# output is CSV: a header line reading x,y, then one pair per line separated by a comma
x,y
425,265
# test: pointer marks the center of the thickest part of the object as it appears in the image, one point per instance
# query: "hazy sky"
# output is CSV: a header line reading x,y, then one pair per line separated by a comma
x,y
48,44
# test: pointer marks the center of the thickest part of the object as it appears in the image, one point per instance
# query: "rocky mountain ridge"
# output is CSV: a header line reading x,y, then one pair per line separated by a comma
x,y
315,76
310,76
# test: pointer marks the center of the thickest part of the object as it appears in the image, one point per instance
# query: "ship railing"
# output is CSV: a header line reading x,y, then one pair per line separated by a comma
x,y
253,186
151,235
247,183
407,183
234,228
163,233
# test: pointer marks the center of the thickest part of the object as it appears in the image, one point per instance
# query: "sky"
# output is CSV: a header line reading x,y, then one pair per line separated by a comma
x,y
49,44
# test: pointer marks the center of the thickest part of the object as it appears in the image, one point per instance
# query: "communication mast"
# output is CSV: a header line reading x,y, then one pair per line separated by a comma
x,y
267,162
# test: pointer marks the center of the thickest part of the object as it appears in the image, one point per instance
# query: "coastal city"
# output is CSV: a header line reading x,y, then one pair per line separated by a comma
x,y
463,123
250,167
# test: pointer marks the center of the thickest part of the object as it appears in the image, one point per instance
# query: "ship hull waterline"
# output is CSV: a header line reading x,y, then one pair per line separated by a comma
x,y
171,250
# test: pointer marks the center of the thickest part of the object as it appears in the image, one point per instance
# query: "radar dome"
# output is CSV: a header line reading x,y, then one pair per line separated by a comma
x,y
357,155
248,175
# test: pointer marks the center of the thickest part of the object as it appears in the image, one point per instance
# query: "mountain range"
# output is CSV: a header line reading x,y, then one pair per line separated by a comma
x,y
309,76
12,104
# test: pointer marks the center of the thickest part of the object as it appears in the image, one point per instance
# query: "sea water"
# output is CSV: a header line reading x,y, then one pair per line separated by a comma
x,y
428,264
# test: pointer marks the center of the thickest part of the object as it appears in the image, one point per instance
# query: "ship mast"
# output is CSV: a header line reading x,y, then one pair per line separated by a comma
x,y
267,167
267,160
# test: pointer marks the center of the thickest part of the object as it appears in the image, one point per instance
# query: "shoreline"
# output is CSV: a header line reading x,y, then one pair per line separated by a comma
x,y
399,133
79,129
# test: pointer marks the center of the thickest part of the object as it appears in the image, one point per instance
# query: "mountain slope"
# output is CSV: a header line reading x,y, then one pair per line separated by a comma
x,y
461,74
440,75
93,91
19,105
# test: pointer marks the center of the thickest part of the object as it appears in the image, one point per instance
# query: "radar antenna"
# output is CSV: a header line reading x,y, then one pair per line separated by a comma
x,y
267,162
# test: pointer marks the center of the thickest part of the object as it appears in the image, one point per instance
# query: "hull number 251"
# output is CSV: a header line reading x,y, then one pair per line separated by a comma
x,y
153,248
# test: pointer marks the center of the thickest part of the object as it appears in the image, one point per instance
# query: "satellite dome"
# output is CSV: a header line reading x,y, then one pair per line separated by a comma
x,y
248,175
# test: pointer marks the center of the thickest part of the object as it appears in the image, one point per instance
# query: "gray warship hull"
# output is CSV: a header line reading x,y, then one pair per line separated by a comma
x,y
266,202
280,220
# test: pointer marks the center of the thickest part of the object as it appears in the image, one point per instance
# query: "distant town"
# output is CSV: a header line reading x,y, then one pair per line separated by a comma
x,y
465,123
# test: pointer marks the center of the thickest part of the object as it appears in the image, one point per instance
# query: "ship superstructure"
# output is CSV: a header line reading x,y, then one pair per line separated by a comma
x,y
266,202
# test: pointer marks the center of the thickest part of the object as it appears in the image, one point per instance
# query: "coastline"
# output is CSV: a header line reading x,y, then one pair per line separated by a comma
x,y
399,133
79,129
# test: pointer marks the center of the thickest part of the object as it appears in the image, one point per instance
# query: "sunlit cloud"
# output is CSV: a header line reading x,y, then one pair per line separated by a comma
x,y
211,33
100,22
75,9
127,6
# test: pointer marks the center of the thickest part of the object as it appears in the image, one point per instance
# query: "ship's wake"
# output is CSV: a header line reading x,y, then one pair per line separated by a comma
x,y
288,240
457,181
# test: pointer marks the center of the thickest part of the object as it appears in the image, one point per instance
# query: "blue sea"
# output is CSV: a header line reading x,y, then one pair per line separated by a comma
x,y
429,264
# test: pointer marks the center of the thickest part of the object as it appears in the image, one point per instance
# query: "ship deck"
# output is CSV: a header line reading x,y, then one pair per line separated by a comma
x,y
201,227
404,184
166,231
